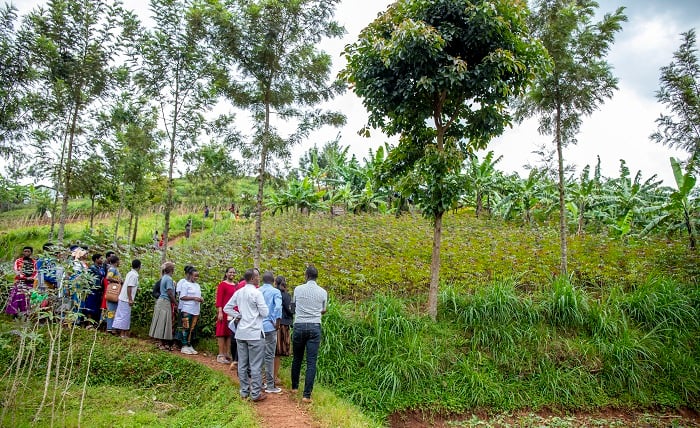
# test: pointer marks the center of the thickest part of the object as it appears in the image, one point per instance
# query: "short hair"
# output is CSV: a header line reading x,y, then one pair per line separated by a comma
x,y
188,269
109,254
47,247
113,259
249,274
96,256
268,277
311,272
168,267
28,248
135,264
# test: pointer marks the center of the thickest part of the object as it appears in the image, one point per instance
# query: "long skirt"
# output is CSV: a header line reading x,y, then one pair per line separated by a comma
x,y
18,300
162,323
91,306
284,348
109,315
122,316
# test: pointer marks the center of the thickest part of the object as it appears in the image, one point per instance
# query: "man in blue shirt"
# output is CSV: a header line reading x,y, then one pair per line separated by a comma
x,y
271,323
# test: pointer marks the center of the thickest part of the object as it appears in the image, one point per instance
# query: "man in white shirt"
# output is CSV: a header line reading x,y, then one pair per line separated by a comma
x,y
250,338
122,316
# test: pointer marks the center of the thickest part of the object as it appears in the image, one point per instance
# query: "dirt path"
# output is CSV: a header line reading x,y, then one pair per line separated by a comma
x,y
278,410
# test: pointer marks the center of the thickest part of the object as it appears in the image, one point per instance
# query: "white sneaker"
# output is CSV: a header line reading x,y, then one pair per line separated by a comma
x,y
187,350
274,390
192,351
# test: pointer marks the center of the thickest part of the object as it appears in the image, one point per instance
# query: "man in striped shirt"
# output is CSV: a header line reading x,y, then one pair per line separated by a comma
x,y
310,302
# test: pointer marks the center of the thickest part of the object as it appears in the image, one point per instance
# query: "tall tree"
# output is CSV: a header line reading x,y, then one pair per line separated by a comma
x,y
130,145
212,172
73,44
455,63
174,71
15,76
579,81
91,181
275,71
680,93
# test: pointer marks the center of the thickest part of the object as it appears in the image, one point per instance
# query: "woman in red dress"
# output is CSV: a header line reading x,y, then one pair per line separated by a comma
x,y
224,291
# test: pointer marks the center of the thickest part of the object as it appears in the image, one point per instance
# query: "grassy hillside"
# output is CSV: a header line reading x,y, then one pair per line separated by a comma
x,y
129,383
621,332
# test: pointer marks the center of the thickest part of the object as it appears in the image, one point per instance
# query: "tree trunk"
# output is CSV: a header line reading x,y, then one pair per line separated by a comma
x,y
435,268
261,185
57,185
689,227
116,225
581,209
92,212
562,204
67,177
136,228
128,228
479,204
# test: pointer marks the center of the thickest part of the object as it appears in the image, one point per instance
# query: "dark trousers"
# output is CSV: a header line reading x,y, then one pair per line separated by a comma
x,y
306,337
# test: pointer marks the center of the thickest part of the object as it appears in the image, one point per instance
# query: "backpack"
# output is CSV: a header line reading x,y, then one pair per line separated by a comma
x,y
156,290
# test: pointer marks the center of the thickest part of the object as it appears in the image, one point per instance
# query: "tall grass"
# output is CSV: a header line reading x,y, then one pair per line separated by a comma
x,y
60,376
506,349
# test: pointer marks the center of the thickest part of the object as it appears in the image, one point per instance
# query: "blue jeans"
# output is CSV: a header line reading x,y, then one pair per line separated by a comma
x,y
306,337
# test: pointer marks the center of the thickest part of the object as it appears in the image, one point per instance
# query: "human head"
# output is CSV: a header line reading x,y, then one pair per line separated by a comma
x,y
27,251
311,273
281,283
188,270
78,252
136,264
268,278
249,275
230,271
108,256
114,260
193,275
97,258
47,247
168,268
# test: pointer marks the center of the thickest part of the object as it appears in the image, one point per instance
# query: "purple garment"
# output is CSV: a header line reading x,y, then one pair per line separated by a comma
x,y
18,300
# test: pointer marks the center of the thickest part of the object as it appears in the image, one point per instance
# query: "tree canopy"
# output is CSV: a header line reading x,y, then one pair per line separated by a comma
x,y
440,74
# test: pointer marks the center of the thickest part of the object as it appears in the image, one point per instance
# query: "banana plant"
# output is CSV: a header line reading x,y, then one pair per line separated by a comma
x,y
584,195
523,196
628,201
480,179
683,206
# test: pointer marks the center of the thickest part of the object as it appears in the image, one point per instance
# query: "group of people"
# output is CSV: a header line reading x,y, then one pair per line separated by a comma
x,y
60,284
255,321
254,318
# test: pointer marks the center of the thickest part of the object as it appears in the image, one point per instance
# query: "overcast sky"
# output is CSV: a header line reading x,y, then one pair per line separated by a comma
x,y
619,130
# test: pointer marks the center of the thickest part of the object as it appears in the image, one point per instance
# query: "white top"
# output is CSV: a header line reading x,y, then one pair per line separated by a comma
x,y
310,302
178,287
251,310
189,289
131,280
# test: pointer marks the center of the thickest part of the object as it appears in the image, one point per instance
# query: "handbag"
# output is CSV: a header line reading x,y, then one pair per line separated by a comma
x,y
112,291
